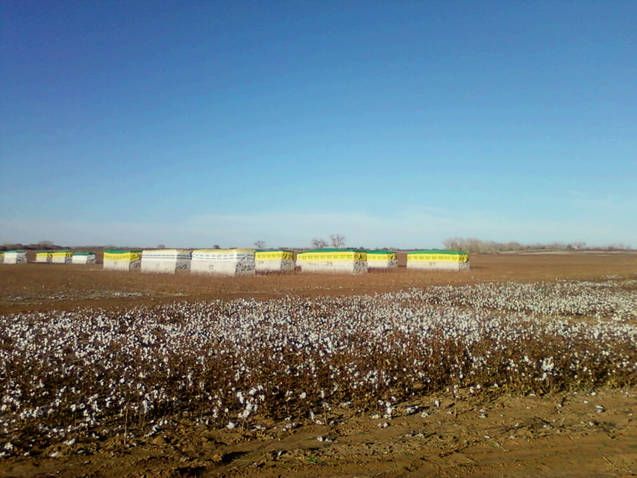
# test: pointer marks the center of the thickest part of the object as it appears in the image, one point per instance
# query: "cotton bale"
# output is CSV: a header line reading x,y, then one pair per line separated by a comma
x,y
381,260
43,257
83,258
122,260
61,257
166,261
333,260
223,261
274,261
15,257
435,259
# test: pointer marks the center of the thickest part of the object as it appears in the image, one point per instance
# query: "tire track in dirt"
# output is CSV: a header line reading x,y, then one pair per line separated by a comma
x,y
562,434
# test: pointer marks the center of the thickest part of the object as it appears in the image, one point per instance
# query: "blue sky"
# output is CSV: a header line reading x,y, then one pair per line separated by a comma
x,y
394,123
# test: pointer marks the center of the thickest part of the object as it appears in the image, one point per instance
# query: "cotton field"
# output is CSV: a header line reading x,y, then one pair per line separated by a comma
x,y
91,374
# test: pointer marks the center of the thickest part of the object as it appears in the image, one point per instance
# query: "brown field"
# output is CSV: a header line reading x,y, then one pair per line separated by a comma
x,y
559,434
35,287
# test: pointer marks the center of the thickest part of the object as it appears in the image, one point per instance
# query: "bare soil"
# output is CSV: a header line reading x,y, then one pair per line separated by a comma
x,y
37,287
565,435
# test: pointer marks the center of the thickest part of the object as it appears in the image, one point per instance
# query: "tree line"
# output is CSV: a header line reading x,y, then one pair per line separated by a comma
x,y
481,246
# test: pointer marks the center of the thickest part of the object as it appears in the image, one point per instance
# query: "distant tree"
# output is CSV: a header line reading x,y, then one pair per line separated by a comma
x,y
337,240
490,247
216,246
452,243
45,244
259,244
319,243
161,246
618,247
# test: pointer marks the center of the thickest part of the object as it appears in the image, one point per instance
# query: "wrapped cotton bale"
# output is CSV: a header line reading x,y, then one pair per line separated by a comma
x,y
274,261
83,258
381,260
166,261
223,261
61,257
15,257
122,260
332,260
43,257
434,259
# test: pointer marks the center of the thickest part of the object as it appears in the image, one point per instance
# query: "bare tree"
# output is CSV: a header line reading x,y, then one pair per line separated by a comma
x,y
489,247
452,243
161,246
319,243
338,240
259,244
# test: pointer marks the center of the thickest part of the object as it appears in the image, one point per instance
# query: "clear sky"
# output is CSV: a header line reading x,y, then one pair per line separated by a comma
x,y
394,123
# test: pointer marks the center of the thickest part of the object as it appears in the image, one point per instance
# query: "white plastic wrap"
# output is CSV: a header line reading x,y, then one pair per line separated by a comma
x,y
223,261
167,261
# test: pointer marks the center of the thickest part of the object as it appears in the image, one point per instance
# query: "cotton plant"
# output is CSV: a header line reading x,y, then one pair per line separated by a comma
x,y
94,373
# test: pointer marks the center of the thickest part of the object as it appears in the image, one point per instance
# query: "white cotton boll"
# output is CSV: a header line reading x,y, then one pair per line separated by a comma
x,y
410,410
306,340
547,364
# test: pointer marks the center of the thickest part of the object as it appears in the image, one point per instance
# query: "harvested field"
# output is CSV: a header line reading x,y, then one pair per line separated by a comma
x,y
498,371
43,286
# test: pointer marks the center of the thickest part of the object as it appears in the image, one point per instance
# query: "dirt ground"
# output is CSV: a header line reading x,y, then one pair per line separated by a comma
x,y
567,434
36,287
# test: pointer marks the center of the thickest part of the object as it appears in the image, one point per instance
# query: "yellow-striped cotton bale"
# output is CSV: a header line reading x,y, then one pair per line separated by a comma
x,y
434,259
381,260
122,260
61,257
274,261
43,257
332,260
